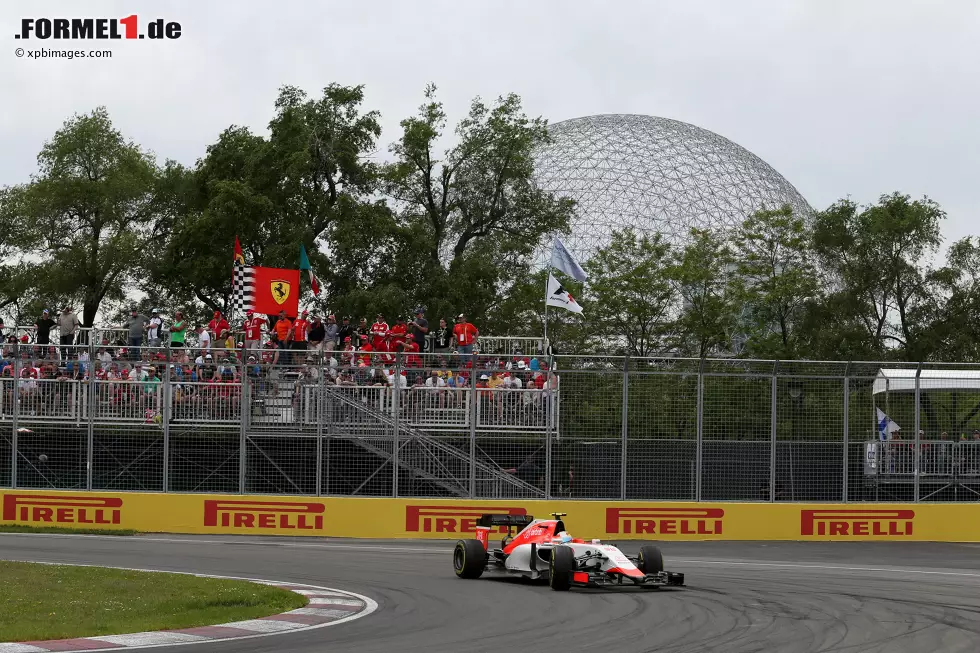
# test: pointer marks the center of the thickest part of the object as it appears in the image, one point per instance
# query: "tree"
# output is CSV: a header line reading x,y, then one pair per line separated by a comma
x,y
469,222
873,262
703,272
955,330
308,182
88,214
775,278
630,292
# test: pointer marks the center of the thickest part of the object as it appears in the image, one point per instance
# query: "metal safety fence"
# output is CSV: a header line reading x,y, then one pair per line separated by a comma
x,y
488,425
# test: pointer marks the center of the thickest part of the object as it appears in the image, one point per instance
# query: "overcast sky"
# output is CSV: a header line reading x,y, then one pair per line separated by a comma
x,y
844,98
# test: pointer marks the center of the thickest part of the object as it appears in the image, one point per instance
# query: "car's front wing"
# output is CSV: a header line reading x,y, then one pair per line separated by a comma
x,y
604,578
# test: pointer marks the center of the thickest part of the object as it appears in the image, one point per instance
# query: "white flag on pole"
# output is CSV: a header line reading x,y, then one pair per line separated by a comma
x,y
558,296
563,260
886,427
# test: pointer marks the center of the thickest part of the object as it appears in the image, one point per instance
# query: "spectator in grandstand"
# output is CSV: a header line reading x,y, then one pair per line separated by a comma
x,y
135,327
218,328
282,330
331,332
154,330
318,332
347,353
253,331
299,333
43,328
378,331
444,338
345,331
362,330
2,327
177,331
203,338
67,326
465,335
437,389
419,328
387,351
399,332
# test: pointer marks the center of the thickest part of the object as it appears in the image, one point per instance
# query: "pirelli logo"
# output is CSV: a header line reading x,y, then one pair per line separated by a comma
x,y
264,515
61,509
664,521
855,523
452,519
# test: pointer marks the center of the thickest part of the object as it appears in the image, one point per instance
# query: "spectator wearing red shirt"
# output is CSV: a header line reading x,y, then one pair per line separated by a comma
x,y
218,328
365,352
465,335
411,349
253,332
301,331
387,351
399,332
378,331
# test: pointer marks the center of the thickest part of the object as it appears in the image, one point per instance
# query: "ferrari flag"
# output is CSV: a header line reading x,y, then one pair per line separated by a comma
x,y
558,296
268,290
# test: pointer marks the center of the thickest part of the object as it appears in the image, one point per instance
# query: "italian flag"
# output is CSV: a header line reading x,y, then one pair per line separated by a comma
x,y
304,264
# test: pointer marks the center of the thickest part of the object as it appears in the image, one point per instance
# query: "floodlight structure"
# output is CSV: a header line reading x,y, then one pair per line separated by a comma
x,y
655,175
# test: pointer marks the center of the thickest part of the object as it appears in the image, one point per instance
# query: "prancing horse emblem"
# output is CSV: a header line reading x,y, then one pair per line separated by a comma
x,y
280,291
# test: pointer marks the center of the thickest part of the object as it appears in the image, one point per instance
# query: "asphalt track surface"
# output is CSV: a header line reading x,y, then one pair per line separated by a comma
x,y
741,597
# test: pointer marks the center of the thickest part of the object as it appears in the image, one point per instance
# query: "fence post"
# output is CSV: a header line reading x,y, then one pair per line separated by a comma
x,y
772,431
165,412
918,422
395,407
245,409
90,427
321,399
698,455
15,397
847,414
547,404
474,411
625,427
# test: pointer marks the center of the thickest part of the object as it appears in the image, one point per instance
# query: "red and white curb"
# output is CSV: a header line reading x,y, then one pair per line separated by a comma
x,y
326,607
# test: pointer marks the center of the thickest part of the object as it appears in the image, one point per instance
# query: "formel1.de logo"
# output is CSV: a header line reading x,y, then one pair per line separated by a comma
x,y
79,29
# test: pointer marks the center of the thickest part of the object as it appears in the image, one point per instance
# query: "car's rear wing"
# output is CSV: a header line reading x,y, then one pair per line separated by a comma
x,y
504,520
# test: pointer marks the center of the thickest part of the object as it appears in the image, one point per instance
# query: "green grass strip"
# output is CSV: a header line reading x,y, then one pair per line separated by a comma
x,y
19,528
40,602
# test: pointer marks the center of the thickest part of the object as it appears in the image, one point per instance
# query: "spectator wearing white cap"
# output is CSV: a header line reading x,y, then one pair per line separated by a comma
x,y
465,335
154,328
43,328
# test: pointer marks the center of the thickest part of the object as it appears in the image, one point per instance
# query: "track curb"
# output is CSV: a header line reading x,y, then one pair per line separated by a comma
x,y
326,607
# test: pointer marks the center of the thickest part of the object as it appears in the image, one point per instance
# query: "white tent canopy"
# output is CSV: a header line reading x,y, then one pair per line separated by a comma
x,y
903,380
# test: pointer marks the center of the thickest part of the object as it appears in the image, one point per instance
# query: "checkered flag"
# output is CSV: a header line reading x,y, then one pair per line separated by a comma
x,y
242,291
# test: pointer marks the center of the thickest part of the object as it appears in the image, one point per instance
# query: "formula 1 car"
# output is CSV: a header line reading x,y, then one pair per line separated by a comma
x,y
543,550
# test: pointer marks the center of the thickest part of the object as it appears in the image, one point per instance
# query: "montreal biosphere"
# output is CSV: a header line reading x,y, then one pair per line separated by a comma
x,y
654,175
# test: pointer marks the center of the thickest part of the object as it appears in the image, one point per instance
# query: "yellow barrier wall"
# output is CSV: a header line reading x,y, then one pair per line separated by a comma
x,y
448,519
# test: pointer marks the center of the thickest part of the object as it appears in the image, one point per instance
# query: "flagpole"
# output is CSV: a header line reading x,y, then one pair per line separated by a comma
x,y
547,285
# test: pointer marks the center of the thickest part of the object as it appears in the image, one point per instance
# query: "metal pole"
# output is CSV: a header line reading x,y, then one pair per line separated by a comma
x,y
698,454
321,399
165,413
245,410
473,416
15,396
847,411
395,407
772,432
916,452
625,428
90,446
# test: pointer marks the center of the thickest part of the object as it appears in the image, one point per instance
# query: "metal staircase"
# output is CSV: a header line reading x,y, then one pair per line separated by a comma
x,y
427,457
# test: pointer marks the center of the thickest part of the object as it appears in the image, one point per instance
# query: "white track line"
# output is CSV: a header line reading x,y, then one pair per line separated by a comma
x,y
794,565
370,604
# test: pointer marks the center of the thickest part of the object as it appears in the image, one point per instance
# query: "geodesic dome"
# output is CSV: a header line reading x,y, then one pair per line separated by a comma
x,y
655,175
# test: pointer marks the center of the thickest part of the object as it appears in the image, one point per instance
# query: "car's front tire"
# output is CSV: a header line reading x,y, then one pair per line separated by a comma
x,y
650,560
469,558
561,567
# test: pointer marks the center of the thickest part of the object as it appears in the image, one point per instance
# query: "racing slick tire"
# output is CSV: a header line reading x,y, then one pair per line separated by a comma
x,y
469,558
650,559
561,568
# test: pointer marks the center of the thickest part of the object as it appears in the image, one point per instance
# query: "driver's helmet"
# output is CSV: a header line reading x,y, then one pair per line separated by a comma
x,y
564,537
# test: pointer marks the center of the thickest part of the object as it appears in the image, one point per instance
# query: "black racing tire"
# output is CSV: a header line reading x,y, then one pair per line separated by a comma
x,y
469,558
651,560
561,567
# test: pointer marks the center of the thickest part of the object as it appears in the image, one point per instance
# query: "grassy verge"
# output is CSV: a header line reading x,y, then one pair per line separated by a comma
x,y
19,528
40,602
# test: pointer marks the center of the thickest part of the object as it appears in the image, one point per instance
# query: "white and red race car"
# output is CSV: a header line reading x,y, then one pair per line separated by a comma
x,y
543,550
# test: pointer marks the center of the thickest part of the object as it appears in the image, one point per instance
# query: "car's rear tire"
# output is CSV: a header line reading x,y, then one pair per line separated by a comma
x,y
561,567
469,558
651,560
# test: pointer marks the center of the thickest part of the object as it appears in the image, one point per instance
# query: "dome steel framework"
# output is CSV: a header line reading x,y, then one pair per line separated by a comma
x,y
655,175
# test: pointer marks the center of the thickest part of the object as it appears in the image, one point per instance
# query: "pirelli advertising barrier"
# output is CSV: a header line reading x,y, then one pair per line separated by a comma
x,y
450,519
